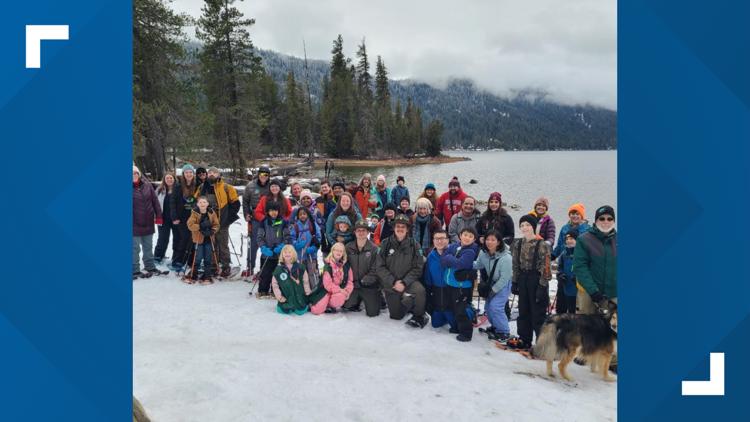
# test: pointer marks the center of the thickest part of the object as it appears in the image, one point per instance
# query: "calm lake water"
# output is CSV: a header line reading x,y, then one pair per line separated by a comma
x,y
564,177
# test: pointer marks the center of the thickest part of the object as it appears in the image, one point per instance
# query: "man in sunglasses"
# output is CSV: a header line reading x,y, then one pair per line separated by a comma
x,y
595,263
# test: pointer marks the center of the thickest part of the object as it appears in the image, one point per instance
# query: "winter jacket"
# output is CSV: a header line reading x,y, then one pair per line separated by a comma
x,y
227,200
182,202
336,278
398,193
194,224
252,195
146,208
459,222
273,233
545,227
304,235
363,263
595,262
399,261
433,199
448,205
331,229
408,213
459,263
434,280
560,247
383,230
291,285
417,232
566,279
523,250
383,198
165,200
503,271
325,207
260,209
365,200
502,223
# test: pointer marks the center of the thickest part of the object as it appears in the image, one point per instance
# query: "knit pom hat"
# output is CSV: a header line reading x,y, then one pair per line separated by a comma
x,y
542,200
274,182
390,206
528,218
188,167
454,182
579,208
305,194
136,170
343,219
380,178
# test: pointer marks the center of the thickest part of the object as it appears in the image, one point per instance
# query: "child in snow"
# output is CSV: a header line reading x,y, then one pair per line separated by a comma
x,y
338,283
566,280
438,304
531,275
203,225
404,207
460,275
291,286
305,234
272,235
385,227
342,232
400,191
496,261
373,223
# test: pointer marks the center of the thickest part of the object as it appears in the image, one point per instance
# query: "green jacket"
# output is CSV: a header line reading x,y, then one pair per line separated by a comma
x,y
293,292
595,262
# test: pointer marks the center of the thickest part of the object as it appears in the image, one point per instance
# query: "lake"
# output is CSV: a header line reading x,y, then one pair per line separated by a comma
x,y
564,177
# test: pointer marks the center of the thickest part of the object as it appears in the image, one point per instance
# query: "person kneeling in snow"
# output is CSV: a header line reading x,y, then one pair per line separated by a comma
x,y
399,264
460,275
338,283
362,255
290,283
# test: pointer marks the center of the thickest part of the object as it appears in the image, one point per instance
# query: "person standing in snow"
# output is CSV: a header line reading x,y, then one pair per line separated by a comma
x,y
458,261
467,218
595,262
290,284
338,283
399,267
384,229
345,207
531,275
450,202
362,256
382,196
164,193
577,221
496,218
566,279
439,305
273,234
274,195
294,193
305,234
254,190
181,207
496,262
203,224
400,191
545,224
146,212
405,208
224,200
363,196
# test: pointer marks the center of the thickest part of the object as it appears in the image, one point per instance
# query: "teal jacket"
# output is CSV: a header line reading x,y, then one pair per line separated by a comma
x,y
595,262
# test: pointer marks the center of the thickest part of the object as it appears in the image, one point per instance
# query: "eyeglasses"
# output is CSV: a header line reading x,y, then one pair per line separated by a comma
x,y
441,238
605,219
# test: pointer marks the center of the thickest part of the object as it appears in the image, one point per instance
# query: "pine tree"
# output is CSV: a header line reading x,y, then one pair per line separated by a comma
x,y
383,128
365,139
337,111
433,142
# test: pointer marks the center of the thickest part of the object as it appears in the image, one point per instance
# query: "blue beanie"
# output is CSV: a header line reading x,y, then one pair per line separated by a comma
x,y
188,167
429,186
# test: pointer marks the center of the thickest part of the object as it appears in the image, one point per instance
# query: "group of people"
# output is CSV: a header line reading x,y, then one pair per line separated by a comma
x,y
381,254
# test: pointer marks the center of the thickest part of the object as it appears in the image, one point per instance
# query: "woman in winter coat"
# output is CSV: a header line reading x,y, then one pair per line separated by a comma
x,y
345,207
274,195
181,205
496,261
496,218
424,224
290,284
338,283
382,196
363,196
164,193
545,224
577,216
146,211
430,193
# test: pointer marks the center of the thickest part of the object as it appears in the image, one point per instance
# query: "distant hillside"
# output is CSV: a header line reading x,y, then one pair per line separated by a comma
x,y
476,118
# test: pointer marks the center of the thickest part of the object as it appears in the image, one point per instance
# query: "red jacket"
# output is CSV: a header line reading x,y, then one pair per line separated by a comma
x,y
449,205
260,210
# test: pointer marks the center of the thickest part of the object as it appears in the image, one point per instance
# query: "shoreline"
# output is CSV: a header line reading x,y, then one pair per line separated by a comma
x,y
373,162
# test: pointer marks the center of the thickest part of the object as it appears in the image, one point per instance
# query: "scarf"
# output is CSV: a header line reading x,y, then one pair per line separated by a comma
x,y
421,231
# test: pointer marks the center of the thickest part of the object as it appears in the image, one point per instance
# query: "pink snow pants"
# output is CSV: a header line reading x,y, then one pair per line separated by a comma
x,y
330,300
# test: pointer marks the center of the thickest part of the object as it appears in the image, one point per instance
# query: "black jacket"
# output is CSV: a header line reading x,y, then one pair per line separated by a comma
x,y
363,263
399,261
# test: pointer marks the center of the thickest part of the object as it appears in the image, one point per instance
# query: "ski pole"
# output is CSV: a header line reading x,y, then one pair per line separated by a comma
x,y
231,242
256,277
213,252
192,267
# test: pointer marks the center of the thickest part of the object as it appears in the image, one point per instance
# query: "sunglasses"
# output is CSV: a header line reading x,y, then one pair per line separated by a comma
x,y
605,219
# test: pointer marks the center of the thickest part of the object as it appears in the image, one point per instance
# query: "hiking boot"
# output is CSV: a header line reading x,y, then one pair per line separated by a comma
x,y
502,338
453,330
352,309
206,280
262,295
463,338
418,321
331,311
226,272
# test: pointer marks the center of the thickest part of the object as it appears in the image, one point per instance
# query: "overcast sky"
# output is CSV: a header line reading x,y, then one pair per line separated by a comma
x,y
567,48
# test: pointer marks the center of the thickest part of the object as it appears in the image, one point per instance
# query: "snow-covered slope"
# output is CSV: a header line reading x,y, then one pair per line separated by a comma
x,y
212,353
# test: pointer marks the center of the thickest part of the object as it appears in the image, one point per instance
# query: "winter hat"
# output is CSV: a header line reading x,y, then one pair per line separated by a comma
x,y
400,179
381,178
339,184
579,208
429,186
274,182
542,200
188,167
305,193
401,219
454,182
365,176
272,205
390,206
343,219
424,203
496,196
200,170
362,224
605,210
264,169
136,170
529,219
572,233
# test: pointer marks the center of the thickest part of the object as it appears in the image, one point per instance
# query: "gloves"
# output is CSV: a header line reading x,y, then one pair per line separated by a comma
x,y
159,221
300,244
515,289
598,297
207,233
312,250
542,294
277,250
266,251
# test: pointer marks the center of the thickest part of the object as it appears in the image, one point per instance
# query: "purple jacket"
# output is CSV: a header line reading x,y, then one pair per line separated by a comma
x,y
146,208
546,229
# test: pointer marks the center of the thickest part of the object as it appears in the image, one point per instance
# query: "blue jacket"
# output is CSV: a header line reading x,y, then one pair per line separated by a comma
x,y
434,270
459,263
380,210
303,236
397,193
560,246
503,271
566,267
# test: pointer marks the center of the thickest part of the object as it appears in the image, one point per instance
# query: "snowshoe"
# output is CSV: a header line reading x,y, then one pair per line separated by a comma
x,y
480,320
525,352
155,271
229,273
516,343
176,267
141,274
418,321
501,338
246,274
490,331
262,295
206,280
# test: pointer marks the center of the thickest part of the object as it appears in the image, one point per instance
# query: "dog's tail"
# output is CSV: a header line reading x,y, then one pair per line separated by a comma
x,y
546,345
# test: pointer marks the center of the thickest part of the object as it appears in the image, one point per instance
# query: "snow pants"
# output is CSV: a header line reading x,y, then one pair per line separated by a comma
x,y
531,314
495,310
268,265
252,246
413,299
163,240
330,300
221,242
463,311
183,251
565,304
146,244
369,295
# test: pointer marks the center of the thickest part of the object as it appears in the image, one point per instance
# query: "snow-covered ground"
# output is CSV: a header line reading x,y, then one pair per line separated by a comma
x,y
212,353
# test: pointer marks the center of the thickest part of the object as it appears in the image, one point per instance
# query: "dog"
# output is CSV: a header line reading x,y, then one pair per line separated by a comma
x,y
591,337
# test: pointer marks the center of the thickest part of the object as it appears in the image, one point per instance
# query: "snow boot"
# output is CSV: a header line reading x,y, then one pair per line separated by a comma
x,y
331,311
453,330
463,338
418,321
226,272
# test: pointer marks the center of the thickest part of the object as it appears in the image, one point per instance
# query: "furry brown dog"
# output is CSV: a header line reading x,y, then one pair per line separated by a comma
x,y
592,337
